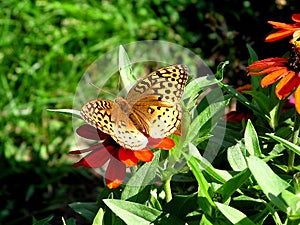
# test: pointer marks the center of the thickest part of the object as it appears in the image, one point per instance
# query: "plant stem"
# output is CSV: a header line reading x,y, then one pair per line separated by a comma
x,y
295,141
167,188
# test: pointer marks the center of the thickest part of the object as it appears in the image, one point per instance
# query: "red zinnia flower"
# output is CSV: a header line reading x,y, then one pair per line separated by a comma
x,y
285,30
118,156
286,68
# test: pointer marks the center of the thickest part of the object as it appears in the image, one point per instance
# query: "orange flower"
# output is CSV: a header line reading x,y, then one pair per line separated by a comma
x,y
285,30
118,156
276,68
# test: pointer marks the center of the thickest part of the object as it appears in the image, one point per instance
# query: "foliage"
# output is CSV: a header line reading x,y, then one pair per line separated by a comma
x,y
45,48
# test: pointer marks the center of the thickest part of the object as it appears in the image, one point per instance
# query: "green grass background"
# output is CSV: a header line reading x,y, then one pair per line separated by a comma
x,y
45,47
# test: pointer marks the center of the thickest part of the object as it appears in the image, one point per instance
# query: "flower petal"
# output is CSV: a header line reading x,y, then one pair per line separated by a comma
x,y
278,35
296,17
296,36
286,85
267,63
95,159
165,143
115,173
145,155
92,148
273,77
297,99
266,71
127,157
89,132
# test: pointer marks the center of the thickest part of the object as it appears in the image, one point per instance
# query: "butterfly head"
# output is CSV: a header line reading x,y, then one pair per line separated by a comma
x,y
123,104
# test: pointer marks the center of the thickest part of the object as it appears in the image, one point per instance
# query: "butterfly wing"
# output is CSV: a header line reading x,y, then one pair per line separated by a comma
x,y
155,100
167,83
98,114
107,116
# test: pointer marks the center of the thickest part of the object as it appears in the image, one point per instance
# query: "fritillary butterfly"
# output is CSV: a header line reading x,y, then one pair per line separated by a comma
x,y
151,108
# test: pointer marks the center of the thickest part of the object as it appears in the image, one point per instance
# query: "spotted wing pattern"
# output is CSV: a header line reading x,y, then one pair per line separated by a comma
x,y
151,108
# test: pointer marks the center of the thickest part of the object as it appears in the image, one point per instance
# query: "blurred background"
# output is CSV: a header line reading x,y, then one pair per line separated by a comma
x,y
46,46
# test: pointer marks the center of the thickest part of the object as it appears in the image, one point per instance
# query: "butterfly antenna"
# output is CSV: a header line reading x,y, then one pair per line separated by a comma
x,y
102,90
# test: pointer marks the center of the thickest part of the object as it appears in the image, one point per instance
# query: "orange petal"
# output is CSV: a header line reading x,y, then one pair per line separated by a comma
x,y
286,85
115,173
145,155
267,63
273,77
296,17
297,99
166,144
278,35
279,25
127,157
266,71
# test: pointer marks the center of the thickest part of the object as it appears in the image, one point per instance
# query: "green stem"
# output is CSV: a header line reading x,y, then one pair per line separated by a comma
x,y
167,188
291,159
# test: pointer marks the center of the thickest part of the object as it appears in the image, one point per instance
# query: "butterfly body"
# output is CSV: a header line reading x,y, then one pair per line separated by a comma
x,y
151,109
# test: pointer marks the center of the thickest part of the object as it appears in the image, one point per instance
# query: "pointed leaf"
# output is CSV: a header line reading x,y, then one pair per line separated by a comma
x,y
233,215
251,140
271,184
74,112
133,213
287,144
230,187
87,210
125,69
98,220
142,177
236,157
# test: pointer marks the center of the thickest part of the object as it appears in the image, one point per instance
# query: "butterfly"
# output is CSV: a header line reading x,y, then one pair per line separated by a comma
x,y
151,109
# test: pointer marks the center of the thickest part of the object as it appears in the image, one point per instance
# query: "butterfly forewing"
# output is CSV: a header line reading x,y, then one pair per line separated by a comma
x,y
98,114
167,83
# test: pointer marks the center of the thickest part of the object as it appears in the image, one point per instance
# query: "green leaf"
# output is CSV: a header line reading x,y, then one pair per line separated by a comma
x,y
236,157
227,189
291,146
204,199
293,203
181,205
142,177
261,100
220,70
74,112
242,99
98,220
251,140
203,164
204,122
205,221
133,213
270,183
193,88
44,221
125,69
87,210
252,53
233,215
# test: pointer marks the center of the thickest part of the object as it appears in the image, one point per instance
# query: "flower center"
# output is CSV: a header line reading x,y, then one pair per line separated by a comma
x,y
294,60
